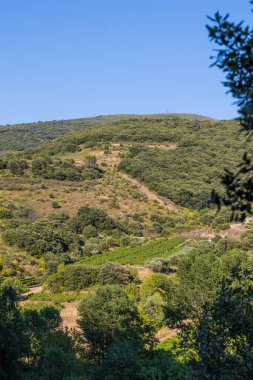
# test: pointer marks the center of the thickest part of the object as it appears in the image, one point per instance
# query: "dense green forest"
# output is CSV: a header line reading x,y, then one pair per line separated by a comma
x,y
189,172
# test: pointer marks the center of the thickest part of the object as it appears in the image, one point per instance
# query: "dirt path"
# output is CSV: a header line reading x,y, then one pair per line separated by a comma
x,y
166,332
236,229
143,272
164,202
69,314
198,232
234,232
165,146
33,290
152,195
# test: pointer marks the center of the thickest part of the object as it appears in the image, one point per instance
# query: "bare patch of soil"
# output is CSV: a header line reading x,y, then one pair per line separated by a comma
x,y
233,232
198,232
33,290
166,333
69,315
165,146
143,272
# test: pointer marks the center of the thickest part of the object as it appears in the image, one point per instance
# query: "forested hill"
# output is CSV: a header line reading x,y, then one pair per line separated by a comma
x,y
27,135
107,230
181,159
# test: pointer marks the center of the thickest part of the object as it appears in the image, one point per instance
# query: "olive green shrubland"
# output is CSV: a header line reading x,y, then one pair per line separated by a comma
x,y
131,273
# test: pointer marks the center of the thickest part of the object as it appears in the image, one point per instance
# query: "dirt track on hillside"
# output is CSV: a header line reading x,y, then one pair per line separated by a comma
x,y
152,195
33,290
164,202
234,232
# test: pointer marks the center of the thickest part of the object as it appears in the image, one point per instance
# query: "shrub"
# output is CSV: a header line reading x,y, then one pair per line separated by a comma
x,y
88,216
17,167
40,237
113,273
175,258
159,265
5,214
55,205
109,314
75,277
16,284
72,148
3,164
89,232
64,170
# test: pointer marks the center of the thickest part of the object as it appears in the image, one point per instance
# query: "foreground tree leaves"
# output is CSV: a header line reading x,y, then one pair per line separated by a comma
x,y
221,342
13,343
235,58
109,314
239,190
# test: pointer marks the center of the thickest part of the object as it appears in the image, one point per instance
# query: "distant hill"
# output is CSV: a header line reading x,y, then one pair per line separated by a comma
x,y
87,195
178,158
28,135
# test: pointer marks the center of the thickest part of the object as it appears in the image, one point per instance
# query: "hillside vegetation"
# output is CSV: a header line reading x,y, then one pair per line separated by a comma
x,y
113,225
27,135
187,156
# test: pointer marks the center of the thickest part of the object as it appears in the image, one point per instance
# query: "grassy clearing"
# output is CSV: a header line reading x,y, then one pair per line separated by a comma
x,y
57,298
137,255
168,344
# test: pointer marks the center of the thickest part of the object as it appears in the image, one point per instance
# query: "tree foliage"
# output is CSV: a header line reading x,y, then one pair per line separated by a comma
x,y
13,342
107,315
221,340
235,58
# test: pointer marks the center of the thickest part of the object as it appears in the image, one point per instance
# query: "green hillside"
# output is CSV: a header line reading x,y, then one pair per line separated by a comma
x,y
122,208
129,170
27,135
178,158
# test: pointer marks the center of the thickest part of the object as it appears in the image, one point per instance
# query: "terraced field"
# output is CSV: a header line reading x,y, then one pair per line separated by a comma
x,y
137,255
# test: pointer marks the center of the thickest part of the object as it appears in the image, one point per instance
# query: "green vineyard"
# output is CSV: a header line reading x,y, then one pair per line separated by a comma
x,y
161,248
29,281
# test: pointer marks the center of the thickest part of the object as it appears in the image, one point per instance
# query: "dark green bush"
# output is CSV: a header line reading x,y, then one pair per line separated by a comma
x,y
5,213
55,205
64,170
88,216
40,237
3,164
17,167
159,265
113,273
74,277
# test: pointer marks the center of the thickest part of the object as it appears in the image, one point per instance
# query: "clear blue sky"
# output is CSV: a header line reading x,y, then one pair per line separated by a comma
x,y
64,59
